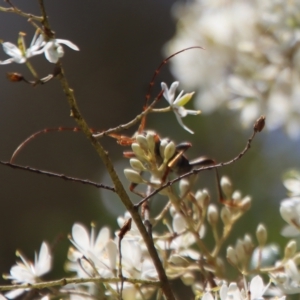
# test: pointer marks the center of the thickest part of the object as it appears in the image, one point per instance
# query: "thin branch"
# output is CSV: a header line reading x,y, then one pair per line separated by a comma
x,y
132,122
61,176
17,11
120,190
258,126
65,281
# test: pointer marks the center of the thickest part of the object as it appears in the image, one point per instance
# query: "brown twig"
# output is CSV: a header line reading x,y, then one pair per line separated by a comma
x,y
61,176
14,9
130,123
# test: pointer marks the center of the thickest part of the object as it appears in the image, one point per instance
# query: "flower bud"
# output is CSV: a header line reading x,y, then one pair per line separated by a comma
x,y
290,249
226,186
142,141
150,137
184,186
261,235
136,164
178,260
212,215
226,216
246,203
163,144
138,151
202,198
231,256
133,176
248,245
188,278
14,77
240,250
236,196
169,151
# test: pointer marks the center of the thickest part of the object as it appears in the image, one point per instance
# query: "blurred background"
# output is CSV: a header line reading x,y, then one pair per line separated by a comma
x,y
121,44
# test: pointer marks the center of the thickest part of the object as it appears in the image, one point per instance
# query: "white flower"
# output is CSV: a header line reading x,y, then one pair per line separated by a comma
x,y
292,182
177,105
288,281
290,212
257,288
19,54
94,253
26,272
54,51
51,48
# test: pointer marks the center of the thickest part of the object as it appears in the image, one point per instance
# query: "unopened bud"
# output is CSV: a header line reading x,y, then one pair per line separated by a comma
x,y
136,164
246,203
188,278
172,211
212,215
14,77
226,186
248,245
259,124
162,146
236,196
202,198
261,235
133,176
184,186
290,249
150,137
138,151
231,256
142,141
226,216
240,250
296,259
178,260
169,151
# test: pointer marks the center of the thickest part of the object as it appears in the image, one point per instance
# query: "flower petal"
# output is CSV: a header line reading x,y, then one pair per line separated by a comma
x,y
181,123
81,238
67,43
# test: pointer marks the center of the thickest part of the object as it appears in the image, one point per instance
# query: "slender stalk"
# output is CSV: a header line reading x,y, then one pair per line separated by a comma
x,y
75,113
65,281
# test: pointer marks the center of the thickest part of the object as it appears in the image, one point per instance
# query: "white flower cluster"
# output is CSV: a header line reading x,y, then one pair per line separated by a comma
x,y
181,247
251,61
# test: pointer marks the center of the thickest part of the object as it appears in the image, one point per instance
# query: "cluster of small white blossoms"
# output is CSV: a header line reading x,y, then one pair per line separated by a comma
x,y
181,247
51,48
251,58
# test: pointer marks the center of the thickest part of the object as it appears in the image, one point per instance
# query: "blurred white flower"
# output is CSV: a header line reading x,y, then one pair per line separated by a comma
x,y
288,280
19,54
251,62
256,289
290,212
291,180
27,272
177,105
